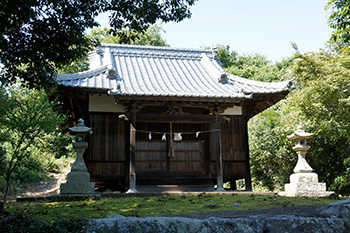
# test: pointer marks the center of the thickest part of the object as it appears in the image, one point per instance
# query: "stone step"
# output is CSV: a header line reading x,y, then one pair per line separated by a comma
x,y
174,188
169,181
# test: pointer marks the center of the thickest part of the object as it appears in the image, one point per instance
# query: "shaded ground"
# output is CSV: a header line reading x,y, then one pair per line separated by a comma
x,y
43,188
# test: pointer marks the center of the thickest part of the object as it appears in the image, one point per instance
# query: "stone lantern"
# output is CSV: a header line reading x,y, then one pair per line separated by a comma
x,y
78,180
301,148
303,182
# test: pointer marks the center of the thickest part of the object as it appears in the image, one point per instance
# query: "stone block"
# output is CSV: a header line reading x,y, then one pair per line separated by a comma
x,y
305,184
77,188
304,178
78,183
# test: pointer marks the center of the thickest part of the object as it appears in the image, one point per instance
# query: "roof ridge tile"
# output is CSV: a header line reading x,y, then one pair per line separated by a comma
x,y
82,74
162,48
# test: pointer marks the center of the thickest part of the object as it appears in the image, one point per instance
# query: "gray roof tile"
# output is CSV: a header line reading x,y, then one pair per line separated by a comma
x,y
163,71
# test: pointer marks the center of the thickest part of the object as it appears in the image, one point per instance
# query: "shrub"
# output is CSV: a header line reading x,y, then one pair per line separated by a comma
x,y
12,223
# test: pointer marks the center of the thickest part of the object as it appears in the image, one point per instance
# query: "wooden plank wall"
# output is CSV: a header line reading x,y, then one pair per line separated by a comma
x,y
107,146
151,156
189,157
232,149
108,149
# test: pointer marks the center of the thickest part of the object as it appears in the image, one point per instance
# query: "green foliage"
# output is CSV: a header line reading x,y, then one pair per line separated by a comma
x,y
27,127
252,66
269,148
257,67
139,15
10,222
225,56
339,20
152,36
323,102
320,103
38,37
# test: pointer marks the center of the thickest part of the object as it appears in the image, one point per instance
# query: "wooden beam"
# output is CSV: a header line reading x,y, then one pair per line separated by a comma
x,y
176,118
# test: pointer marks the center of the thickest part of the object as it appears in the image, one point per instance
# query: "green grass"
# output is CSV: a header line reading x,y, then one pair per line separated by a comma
x,y
156,206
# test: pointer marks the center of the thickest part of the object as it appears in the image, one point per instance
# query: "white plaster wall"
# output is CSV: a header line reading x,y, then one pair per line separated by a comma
x,y
104,103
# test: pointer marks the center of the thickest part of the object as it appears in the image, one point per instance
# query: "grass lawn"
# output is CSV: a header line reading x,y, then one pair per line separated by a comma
x,y
156,206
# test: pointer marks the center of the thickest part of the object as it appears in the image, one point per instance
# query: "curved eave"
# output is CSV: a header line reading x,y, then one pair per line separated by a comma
x,y
258,87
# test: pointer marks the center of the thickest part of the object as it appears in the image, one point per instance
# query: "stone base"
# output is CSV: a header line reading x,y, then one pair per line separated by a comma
x,y
220,190
305,185
77,188
76,197
132,191
78,183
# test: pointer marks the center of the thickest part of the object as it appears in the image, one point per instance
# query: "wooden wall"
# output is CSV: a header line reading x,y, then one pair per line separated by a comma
x,y
233,149
106,154
152,155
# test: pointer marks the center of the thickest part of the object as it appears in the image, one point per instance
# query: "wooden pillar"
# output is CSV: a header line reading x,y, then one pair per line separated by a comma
x,y
132,173
248,109
247,112
233,184
219,173
247,179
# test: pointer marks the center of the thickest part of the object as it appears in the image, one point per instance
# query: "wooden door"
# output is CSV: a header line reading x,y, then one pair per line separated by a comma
x,y
188,157
151,156
152,153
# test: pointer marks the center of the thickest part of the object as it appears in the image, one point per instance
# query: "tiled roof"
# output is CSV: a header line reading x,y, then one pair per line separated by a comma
x,y
162,71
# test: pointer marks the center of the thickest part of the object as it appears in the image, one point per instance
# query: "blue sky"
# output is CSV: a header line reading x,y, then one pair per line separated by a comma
x,y
252,26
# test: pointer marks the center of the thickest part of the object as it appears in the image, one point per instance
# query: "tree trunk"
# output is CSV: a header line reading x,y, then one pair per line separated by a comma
x,y
2,207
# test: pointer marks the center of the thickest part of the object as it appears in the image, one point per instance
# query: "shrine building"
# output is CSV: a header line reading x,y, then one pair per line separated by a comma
x,y
165,119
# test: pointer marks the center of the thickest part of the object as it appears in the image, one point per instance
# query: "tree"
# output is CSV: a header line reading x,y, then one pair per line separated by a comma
x,y
226,57
339,20
150,37
27,116
321,103
252,66
269,147
37,37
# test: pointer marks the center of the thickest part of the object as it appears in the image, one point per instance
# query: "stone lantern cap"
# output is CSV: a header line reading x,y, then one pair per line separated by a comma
x,y
300,137
300,134
80,129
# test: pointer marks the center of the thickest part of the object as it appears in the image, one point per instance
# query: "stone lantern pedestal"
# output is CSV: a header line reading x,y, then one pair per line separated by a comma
x,y
303,182
78,179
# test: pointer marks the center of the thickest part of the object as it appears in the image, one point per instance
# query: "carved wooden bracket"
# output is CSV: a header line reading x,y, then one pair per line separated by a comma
x,y
174,110
135,107
216,110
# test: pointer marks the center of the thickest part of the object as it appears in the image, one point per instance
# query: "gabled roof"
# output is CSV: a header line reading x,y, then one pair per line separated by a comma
x,y
130,70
